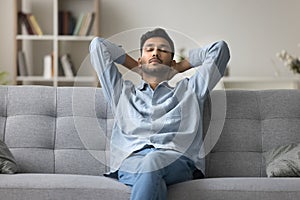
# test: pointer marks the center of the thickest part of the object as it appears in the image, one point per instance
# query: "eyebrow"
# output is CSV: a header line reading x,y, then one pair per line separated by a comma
x,y
160,46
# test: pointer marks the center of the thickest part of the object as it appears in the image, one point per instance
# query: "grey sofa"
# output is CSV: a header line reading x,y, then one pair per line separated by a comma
x,y
60,139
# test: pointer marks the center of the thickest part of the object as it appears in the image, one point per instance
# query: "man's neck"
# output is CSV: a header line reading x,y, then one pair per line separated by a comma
x,y
153,81
153,85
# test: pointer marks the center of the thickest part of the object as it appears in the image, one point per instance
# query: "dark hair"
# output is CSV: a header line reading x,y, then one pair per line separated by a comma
x,y
158,32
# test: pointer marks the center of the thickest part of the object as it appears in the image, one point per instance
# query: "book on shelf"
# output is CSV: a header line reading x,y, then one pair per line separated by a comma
x,y
90,24
30,23
60,70
66,23
34,24
67,66
78,24
84,24
22,19
22,65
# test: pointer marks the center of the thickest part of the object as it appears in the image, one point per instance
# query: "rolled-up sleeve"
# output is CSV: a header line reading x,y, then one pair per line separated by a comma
x,y
103,55
212,61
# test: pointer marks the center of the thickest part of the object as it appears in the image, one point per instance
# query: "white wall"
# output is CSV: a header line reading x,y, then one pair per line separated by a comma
x,y
7,37
254,29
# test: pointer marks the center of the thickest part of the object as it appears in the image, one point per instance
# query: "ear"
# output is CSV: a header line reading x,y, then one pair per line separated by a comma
x,y
138,69
173,70
173,63
139,62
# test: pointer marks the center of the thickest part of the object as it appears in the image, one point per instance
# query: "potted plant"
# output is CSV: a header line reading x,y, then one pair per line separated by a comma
x,y
290,61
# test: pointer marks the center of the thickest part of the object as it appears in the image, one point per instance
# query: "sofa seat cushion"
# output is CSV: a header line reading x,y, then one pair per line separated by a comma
x,y
237,189
61,186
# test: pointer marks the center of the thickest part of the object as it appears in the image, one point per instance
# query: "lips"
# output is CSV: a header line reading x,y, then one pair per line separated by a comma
x,y
155,60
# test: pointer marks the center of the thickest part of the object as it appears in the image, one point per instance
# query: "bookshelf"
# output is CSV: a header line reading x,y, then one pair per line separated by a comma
x,y
57,19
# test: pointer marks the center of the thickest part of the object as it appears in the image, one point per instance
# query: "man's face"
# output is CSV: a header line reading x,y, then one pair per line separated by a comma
x,y
156,55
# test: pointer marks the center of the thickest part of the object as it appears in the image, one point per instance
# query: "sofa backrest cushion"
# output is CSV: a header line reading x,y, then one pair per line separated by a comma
x,y
256,121
55,130
67,129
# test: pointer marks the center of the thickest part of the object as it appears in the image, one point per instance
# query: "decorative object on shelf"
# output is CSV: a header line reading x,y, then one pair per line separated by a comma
x,y
290,61
3,76
48,66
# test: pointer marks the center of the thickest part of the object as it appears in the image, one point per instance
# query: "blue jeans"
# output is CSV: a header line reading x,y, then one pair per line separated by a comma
x,y
151,170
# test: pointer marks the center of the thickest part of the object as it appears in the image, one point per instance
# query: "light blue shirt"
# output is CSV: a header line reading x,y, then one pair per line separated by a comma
x,y
167,117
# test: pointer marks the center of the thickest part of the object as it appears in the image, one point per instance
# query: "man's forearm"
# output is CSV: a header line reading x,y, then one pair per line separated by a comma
x,y
217,52
130,63
183,65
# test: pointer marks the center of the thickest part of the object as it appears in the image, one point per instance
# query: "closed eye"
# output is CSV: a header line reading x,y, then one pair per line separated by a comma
x,y
163,50
149,49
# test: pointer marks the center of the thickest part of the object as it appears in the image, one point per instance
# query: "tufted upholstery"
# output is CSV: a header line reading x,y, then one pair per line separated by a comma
x,y
60,136
256,121
60,130
55,130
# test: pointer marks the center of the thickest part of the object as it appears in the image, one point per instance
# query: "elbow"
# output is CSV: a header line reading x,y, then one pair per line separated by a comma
x,y
224,49
96,43
224,56
107,49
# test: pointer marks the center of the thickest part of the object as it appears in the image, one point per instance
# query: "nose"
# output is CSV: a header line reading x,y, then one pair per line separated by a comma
x,y
155,52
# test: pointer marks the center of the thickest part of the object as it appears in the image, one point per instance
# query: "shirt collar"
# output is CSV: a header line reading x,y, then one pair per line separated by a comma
x,y
143,84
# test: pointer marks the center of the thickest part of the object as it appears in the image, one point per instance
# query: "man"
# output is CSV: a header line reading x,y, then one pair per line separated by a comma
x,y
157,134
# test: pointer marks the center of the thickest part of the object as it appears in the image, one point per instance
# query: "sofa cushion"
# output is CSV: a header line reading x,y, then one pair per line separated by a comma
x,y
237,151
61,186
283,160
7,161
255,122
56,130
237,189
